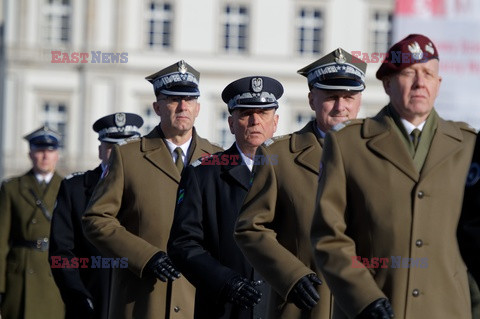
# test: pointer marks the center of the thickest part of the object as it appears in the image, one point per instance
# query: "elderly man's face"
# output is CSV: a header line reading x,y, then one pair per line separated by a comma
x,y
252,126
333,107
413,90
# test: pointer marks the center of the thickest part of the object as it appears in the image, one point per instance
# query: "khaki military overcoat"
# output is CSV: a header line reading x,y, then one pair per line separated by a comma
x,y
25,274
373,203
273,229
130,215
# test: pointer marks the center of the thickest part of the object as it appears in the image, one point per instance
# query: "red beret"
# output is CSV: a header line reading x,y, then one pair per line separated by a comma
x,y
415,48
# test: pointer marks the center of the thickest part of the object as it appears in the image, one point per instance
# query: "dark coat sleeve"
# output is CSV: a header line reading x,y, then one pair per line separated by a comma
x,y
62,245
186,246
469,225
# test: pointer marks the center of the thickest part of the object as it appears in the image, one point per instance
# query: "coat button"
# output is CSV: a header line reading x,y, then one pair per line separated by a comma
x,y
419,243
34,221
416,292
30,271
420,194
176,309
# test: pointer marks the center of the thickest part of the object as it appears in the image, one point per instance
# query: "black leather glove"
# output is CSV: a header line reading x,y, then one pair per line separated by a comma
x,y
161,267
242,292
81,308
379,309
304,294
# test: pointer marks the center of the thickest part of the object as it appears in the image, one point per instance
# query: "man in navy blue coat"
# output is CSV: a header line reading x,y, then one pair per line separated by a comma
x,y
74,260
210,195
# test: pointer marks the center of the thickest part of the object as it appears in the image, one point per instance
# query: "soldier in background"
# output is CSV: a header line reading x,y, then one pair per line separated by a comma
x,y
85,289
274,224
27,289
131,210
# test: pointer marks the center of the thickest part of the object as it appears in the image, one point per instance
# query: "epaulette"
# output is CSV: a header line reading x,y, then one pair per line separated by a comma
x,y
74,174
128,140
274,139
467,127
197,162
341,125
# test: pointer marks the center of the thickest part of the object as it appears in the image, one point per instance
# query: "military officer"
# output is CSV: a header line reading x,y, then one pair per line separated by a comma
x,y
389,200
84,288
27,289
274,223
210,195
131,210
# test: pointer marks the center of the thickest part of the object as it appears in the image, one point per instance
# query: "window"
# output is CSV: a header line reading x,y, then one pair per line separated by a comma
x,y
159,17
224,136
310,25
150,120
302,117
380,31
54,115
56,21
235,28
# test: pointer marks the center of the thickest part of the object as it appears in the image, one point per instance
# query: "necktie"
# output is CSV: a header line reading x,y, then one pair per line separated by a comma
x,y
43,185
415,137
179,160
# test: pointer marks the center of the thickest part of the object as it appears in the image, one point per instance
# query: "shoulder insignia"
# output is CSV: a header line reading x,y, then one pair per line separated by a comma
x,y
341,125
130,139
74,174
274,139
197,162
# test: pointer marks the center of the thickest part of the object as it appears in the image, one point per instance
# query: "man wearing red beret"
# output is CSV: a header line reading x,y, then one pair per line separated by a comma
x,y
389,199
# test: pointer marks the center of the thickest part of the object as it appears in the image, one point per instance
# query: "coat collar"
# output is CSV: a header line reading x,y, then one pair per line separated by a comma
x,y
239,172
156,151
385,141
309,147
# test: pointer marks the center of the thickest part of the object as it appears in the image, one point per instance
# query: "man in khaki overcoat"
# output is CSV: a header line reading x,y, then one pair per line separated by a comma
x,y
27,289
273,229
388,202
131,210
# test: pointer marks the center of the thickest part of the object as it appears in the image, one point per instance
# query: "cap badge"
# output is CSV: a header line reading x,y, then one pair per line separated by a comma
x,y
415,50
429,48
182,68
339,57
257,85
120,119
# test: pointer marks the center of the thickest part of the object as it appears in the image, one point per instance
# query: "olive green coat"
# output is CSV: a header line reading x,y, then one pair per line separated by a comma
x,y
273,229
25,275
374,203
130,215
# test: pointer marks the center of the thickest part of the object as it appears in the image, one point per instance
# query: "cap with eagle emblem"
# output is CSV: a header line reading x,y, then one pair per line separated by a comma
x,y
115,128
43,138
252,92
178,79
415,48
336,71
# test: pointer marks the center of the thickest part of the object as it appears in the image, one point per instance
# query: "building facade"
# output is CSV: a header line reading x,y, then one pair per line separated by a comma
x,y
65,63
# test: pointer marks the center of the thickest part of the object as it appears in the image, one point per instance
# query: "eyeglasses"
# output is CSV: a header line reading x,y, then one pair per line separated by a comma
x,y
178,99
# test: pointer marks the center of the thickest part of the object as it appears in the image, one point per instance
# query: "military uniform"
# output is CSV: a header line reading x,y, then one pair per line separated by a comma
x,y
85,290
210,195
26,281
384,229
131,212
273,229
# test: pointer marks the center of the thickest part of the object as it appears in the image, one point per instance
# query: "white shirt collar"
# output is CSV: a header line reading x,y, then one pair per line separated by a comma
x,y
184,147
47,178
409,127
247,160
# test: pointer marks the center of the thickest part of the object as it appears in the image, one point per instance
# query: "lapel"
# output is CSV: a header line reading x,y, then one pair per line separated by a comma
x,y
306,143
385,141
156,151
446,141
29,182
240,172
91,180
